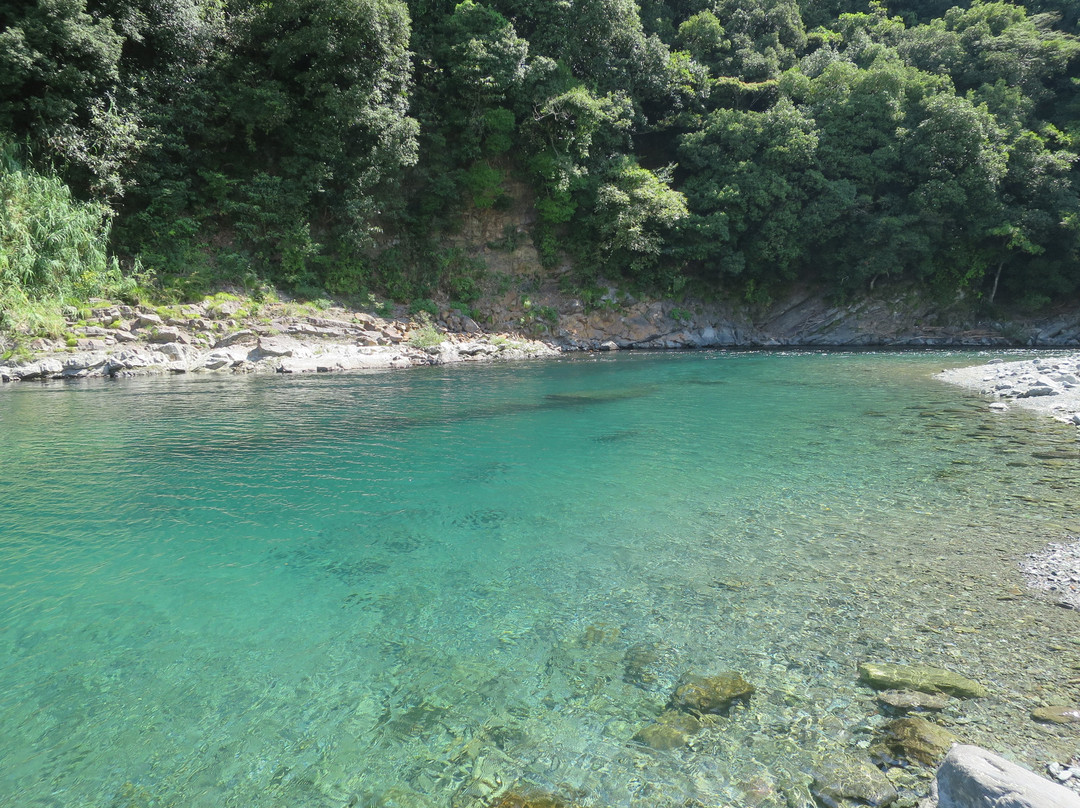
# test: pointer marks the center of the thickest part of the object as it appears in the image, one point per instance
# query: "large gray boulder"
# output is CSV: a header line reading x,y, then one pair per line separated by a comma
x,y
972,777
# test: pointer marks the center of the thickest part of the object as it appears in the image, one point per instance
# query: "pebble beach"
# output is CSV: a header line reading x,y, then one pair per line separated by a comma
x,y
1049,385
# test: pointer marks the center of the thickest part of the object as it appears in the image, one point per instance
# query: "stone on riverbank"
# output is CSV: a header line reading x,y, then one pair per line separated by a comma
x,y
889,676
972,777
845,778
711,694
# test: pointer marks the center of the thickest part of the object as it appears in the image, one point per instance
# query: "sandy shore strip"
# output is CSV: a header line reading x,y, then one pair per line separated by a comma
x,y
1048,385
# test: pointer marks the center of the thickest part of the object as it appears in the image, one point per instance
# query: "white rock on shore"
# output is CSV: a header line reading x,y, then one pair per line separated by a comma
x,y
972,777
305,344
1050,385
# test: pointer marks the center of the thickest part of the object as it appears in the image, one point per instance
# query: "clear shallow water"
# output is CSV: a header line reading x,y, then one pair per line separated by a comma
x,y
400,589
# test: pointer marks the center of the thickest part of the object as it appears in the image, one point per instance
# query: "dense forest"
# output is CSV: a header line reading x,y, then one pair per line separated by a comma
x,y
671,145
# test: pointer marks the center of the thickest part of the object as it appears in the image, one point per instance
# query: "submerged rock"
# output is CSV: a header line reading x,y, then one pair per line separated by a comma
x,y
971,777
845,778
908,701
530,798
918,739
1057,715
403,798
651,666
711,694
661,737
484,788
888,676
670,731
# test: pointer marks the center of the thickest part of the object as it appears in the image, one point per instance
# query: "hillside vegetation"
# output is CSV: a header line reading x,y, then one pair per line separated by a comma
x,y
332,146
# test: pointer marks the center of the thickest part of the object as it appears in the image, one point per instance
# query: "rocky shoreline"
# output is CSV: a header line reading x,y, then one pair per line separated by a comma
x,y
1048,385
229,333
223,337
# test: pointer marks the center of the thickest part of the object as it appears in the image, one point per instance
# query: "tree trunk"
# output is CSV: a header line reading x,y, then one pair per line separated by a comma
x,y
997,277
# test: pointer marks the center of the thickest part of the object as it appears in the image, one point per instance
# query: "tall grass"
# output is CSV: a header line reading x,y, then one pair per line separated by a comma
x,y
53,248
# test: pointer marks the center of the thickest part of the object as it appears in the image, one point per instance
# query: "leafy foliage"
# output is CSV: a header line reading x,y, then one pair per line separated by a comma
x,y
53,248
336,144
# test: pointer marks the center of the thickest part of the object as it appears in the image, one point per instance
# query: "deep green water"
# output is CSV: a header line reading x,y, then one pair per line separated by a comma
x,y
404,588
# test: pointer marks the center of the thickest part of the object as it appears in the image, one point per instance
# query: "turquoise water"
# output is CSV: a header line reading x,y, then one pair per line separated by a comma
x,y
421,588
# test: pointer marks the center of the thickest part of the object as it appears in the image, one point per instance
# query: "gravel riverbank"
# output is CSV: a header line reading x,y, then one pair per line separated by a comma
x,y
1056,569
1048,385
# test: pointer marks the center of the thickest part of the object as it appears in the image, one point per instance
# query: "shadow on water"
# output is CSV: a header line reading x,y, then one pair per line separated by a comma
x,y
287,436
596,396
617,436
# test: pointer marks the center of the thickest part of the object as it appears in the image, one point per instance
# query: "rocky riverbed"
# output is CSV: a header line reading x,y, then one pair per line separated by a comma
x,y
1049,385
224,336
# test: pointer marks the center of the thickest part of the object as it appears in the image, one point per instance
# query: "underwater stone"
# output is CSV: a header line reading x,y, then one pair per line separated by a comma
x,y
650,666
485,787
670,731
1057,715
661,737
599,634
532,799
402,798
843,778
711,694
133,796
972,777
639,661
887,676
912,700
918,739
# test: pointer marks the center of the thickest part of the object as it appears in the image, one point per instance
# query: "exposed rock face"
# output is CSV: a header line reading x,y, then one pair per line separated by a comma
x,y
971,777
194,343
888,676
846,778
711,694
917,739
